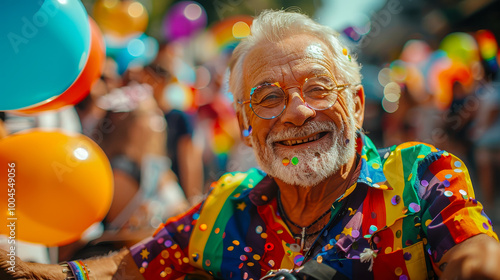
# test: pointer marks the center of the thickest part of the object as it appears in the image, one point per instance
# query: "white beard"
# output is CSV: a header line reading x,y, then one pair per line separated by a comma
x,y
316,164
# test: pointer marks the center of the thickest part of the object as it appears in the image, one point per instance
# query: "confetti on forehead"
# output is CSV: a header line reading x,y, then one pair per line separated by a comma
x,y
315,51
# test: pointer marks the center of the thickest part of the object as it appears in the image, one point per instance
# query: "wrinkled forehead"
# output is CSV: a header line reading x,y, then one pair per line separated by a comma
x,y
296,57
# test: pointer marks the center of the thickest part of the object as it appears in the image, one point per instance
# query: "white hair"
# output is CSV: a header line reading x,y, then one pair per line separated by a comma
x,y
273,26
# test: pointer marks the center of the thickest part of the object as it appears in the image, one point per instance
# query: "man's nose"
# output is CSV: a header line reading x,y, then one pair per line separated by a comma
x,y
297,112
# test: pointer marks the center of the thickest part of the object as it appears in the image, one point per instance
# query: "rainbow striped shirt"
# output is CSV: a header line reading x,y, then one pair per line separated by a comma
x,y
409,205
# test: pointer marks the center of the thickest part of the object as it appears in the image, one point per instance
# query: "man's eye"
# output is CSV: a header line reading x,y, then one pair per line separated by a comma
x,y
317,91
271,97
316,88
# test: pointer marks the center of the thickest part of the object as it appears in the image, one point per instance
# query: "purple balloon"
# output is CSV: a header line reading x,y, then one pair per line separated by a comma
x,y
184,19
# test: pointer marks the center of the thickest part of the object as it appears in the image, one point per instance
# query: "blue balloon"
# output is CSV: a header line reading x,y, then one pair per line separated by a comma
x,y
44,47
139,51
114,45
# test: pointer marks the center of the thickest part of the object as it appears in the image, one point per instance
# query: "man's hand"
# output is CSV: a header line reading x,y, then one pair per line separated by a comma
x,y
10,269
114,266
476,258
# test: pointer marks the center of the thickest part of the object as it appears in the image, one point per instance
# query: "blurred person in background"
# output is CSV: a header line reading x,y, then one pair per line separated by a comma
x,y
486,140
89,113
133,134
216,124
184,154
146,192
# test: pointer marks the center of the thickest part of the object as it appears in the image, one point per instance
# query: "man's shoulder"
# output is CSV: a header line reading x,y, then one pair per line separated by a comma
x,y
409,152
407,162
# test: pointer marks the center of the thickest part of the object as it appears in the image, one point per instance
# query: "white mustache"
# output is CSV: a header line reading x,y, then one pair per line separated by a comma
x,y
298,132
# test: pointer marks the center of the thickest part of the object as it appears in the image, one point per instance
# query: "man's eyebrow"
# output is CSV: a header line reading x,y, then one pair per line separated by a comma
x,y
318,71
264,81
310,73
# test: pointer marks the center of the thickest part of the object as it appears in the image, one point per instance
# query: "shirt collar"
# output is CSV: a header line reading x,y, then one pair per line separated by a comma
x,y
372,172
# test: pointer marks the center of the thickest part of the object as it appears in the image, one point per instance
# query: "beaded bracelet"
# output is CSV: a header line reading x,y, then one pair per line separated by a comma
x,y
77,270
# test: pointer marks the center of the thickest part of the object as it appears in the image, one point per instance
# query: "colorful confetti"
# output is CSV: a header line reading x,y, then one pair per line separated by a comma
x,y
395,200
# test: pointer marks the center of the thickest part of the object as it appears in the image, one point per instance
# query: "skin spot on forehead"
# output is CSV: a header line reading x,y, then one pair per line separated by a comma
x,y
315,50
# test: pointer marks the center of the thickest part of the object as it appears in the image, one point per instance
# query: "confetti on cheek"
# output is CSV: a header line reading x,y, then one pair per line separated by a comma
x,y
285,161
247,132
295,160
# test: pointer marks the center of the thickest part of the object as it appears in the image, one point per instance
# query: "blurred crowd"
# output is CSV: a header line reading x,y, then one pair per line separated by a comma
x,y
448,97
167,125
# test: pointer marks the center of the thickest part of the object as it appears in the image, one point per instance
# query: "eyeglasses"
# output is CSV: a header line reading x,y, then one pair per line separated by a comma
x,y
269,100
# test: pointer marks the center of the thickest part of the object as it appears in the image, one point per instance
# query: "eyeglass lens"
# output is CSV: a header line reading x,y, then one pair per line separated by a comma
x,y
269,100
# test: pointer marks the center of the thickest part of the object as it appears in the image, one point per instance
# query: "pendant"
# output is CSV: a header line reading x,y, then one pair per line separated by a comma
x,y
302,241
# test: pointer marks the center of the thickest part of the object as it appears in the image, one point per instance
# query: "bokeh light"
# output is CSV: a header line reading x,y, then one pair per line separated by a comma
x,y
110,3
392,92
193,11
415,51
241,30
178,96
203,77
398,71
81,153
389,107
136,47
384,76
460,46
135,9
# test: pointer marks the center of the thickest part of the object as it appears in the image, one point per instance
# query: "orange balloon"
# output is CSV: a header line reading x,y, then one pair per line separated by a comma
x,y
121,19
81,87
457,72
62,184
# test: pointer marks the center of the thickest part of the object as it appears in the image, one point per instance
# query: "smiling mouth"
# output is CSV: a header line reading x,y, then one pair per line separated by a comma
x,y
303,141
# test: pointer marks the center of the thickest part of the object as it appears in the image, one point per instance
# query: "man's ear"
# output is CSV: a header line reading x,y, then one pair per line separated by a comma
x,y
243,126
359,106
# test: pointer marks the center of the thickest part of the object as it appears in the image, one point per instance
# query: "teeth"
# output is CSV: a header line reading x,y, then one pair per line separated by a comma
x,y
295,142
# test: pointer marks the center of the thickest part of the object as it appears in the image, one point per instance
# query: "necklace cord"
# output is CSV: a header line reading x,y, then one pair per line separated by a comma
x,y
287,220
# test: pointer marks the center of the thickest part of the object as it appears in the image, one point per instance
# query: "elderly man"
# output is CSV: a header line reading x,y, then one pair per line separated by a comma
x,y
328,205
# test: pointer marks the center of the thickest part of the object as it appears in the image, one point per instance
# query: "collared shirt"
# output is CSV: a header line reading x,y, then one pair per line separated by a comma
x,y
409,204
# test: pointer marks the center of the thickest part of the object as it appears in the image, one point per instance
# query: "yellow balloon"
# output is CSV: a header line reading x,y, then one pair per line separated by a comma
x,y
120,19
54,185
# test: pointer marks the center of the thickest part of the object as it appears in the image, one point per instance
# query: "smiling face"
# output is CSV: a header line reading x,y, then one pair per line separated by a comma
x,y
322,141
